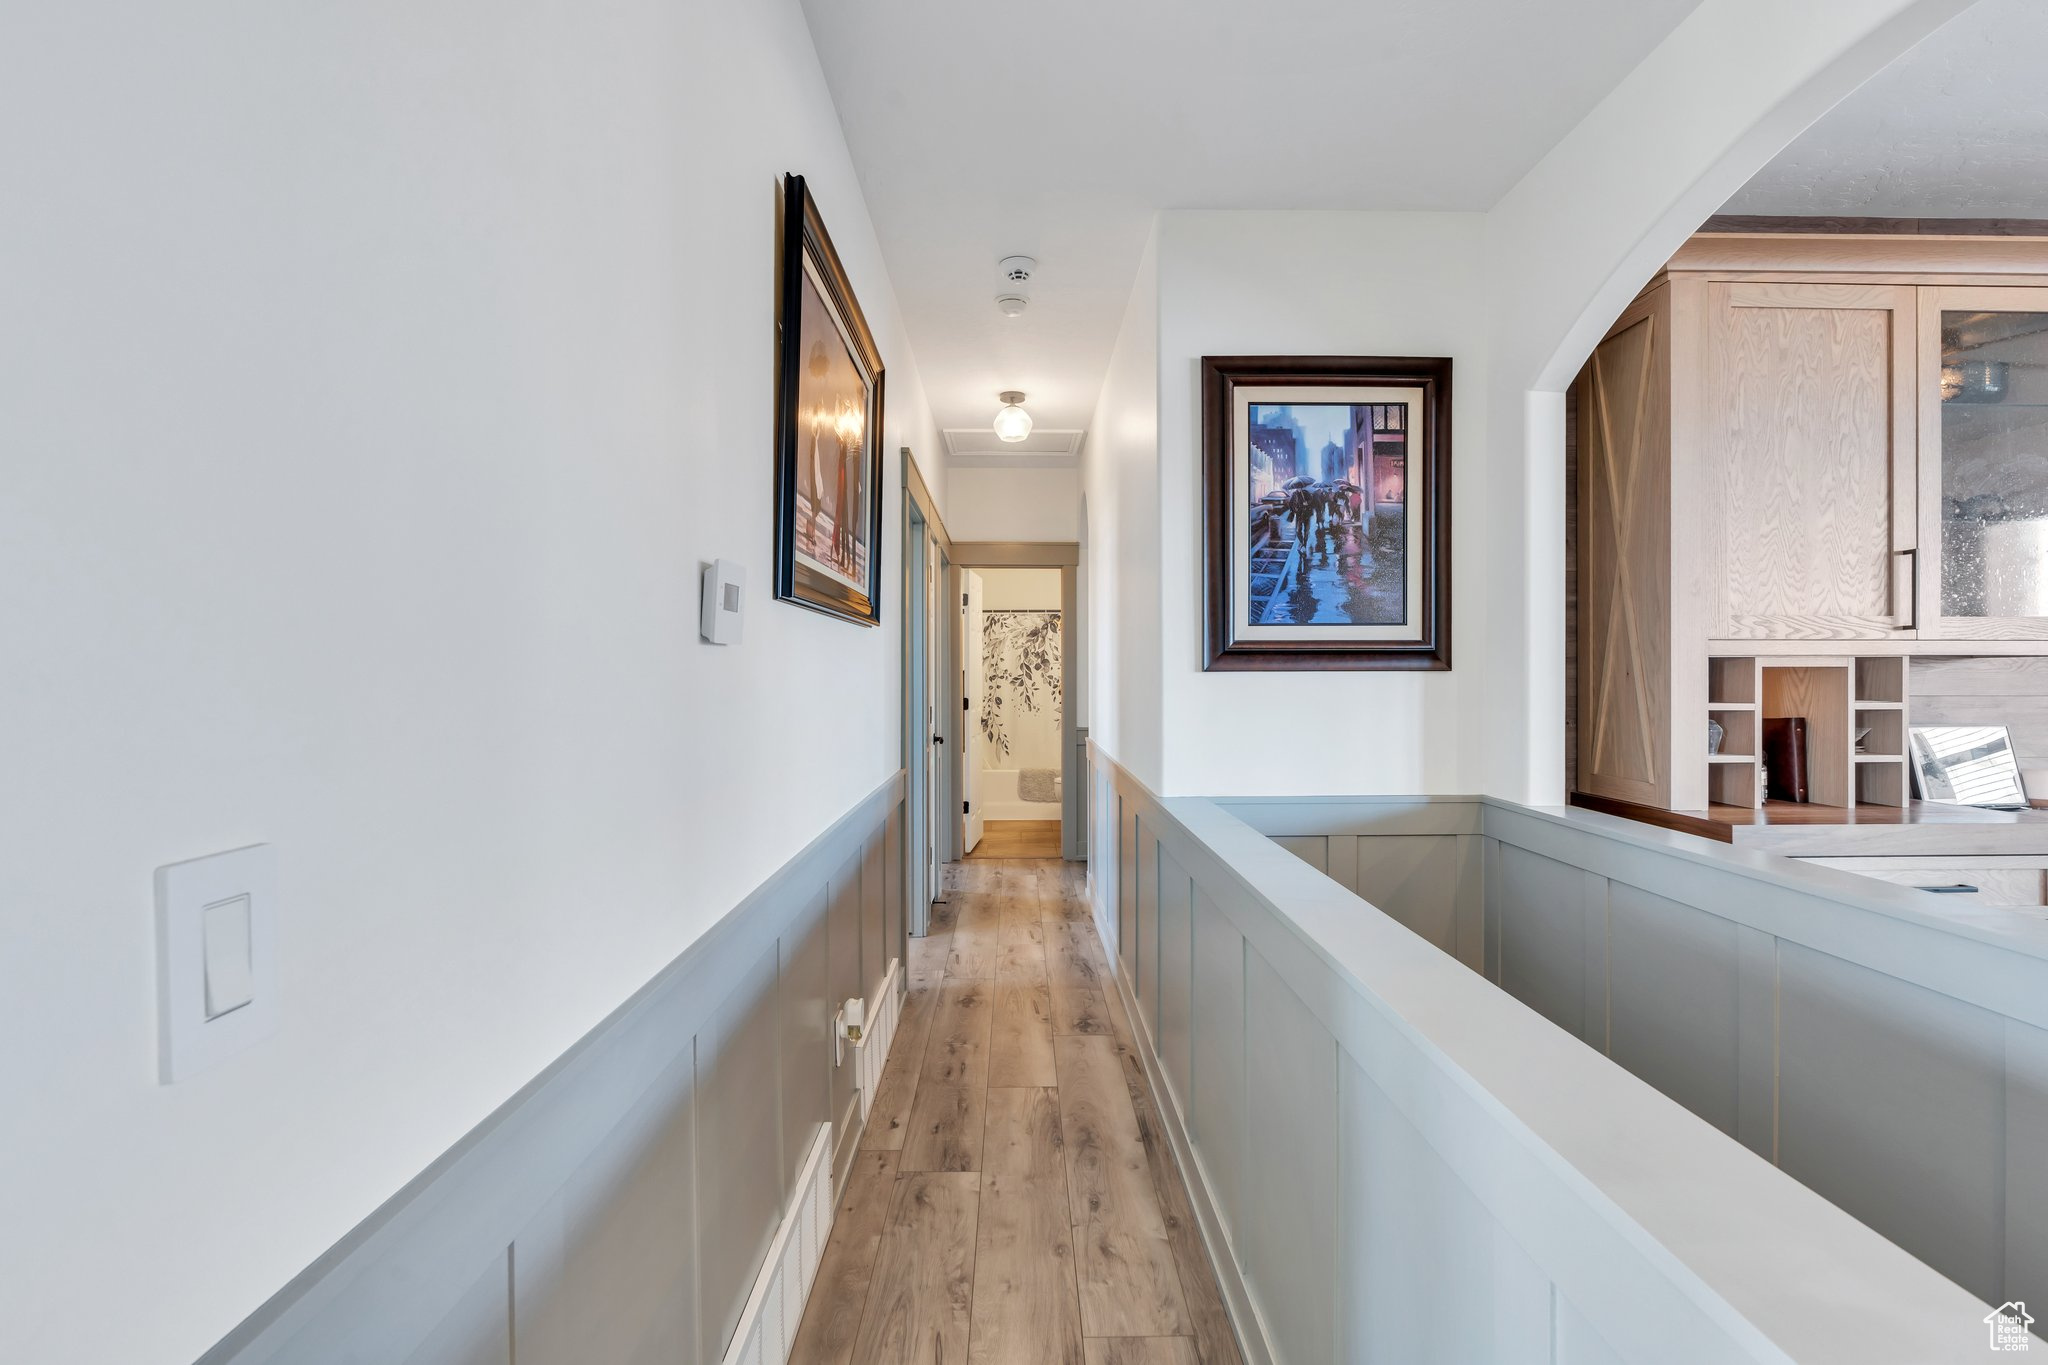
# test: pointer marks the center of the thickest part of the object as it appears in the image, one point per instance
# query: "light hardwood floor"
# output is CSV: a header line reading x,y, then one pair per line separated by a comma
x,y
1008,840
1014,1202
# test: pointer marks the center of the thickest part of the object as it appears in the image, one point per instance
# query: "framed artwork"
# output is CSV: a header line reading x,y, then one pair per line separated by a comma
x,y
1326,512
828,428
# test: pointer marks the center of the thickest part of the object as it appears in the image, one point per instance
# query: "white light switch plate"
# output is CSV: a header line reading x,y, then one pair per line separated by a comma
x,y
216,951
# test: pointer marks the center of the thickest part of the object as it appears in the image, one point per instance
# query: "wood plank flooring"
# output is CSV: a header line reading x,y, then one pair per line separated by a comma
x,y
1014,1202
1009,840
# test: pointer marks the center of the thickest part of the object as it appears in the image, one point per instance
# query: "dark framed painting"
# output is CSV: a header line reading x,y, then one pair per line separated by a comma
x,y
1327,512
828,427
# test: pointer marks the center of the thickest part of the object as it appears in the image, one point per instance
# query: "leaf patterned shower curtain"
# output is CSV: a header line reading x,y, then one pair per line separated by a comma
x,y
1020,701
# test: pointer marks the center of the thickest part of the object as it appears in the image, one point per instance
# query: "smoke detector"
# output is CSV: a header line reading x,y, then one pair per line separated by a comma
x,y
1016,273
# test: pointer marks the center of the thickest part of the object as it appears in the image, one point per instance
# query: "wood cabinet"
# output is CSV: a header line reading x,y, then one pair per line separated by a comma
x,y
1806,417
1813,451
1983,462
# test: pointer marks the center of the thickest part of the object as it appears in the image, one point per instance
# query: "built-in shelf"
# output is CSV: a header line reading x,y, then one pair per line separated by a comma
x,y
1837,695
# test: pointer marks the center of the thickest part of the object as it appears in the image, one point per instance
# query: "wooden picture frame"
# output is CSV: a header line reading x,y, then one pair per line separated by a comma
x,y
1304,570
828,427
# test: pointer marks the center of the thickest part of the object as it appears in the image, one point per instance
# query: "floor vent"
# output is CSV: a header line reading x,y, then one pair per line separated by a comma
x,y
873,1053
767,1328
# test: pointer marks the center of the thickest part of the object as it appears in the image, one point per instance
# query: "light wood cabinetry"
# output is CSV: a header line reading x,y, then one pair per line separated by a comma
x,y
1809,457
1983,462
1808,436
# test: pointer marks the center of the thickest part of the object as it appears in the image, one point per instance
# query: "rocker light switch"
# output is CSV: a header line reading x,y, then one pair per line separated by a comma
x,y
230,978
216,952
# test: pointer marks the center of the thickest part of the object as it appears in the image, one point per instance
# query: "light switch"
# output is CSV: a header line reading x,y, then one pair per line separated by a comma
x,y
216,944
230,978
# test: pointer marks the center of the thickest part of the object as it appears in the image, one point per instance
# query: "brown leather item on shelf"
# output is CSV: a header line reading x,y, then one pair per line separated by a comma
x,y
1785,758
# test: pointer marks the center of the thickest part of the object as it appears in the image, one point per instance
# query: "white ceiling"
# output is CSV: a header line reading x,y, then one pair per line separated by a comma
x,y
1957,128
1056,129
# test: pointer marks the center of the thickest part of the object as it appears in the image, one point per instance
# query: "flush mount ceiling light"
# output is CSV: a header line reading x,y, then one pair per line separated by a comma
x,y
1012,423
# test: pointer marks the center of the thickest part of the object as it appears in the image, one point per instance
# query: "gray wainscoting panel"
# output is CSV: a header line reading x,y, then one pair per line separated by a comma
x,y
1216,1098
894,898
1413,878
740,1174
596,1273
617,1209
1543,938
1756,1042
1145,942
1579,1342
1674,1000
1432,1277
1290,1222
1127,881
1313,849
1390,1159
1891,1102
807,1009
874,960
1176,973
478,1329
2026,1160
843,975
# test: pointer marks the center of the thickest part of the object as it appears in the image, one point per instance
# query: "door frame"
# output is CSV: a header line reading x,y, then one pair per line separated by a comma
x,y
927,657
1064,555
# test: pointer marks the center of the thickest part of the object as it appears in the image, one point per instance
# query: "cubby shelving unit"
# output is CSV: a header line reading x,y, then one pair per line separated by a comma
x,y
1732,701
1837,695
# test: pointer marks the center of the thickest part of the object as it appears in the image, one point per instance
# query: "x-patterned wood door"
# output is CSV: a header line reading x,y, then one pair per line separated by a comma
x,y
1624,397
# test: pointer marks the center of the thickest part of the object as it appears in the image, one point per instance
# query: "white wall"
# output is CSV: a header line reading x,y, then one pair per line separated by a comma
x,y
375,381
1002,503
1020,589
1516,296
1254,283
1120,488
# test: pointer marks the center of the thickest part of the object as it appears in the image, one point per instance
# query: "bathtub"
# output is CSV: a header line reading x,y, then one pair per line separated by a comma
x,y
997,789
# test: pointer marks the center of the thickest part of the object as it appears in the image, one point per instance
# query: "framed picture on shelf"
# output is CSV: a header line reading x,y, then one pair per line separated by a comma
x,y
828,427
1326,512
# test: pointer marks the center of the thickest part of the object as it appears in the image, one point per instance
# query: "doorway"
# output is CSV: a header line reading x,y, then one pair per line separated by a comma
x,y
1015,601
930,721
1014,687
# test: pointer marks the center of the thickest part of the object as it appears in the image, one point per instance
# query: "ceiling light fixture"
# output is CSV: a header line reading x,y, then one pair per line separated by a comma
x,y
1012,423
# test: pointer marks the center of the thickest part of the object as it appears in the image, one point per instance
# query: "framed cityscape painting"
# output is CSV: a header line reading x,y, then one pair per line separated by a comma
x,y
1326,510
828,428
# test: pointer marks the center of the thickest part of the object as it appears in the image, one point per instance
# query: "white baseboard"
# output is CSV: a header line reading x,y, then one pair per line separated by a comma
x,y
768,1324
873,1052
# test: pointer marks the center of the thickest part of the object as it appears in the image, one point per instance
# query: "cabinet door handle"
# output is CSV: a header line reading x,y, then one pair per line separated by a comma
x,y
1959,889
1905,587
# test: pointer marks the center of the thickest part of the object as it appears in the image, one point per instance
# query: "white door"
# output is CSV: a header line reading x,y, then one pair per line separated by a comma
x,y
970,722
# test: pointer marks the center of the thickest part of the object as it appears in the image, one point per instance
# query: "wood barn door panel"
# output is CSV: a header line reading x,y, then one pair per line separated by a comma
x,y
1624,489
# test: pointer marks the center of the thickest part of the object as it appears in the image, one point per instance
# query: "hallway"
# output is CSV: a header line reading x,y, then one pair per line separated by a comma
x,y
1014,1200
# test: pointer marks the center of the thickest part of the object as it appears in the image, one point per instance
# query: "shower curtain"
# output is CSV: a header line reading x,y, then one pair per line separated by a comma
x,y
1020,699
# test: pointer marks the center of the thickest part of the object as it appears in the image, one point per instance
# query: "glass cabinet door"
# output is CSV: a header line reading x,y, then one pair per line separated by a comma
x,y
1984,463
